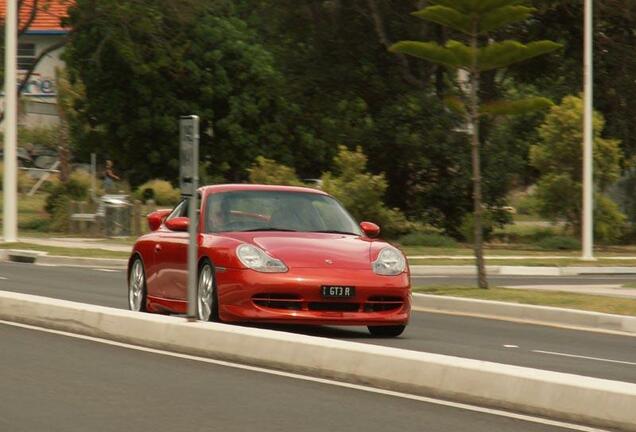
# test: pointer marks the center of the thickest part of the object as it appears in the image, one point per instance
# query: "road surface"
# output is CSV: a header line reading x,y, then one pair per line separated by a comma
x,y
59,383
579,352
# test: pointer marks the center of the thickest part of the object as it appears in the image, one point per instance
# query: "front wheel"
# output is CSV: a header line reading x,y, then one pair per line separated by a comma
x,y
207,303
137,287
386,331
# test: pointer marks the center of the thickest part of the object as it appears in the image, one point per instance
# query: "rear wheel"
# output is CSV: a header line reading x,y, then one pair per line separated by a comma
x,y
386,331
137,287
207,302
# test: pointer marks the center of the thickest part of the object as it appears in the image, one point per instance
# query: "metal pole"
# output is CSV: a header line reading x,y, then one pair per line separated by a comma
x,y
10,225
193,247
94,177
588,155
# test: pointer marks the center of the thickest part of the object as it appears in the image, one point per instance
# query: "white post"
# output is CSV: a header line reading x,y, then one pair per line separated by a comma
x,y
10,185
588,156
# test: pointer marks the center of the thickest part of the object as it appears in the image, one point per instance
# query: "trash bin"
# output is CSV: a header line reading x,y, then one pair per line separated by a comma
x,y
117,212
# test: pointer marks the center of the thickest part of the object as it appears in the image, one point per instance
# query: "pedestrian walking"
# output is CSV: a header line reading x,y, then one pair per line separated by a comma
x,y
110,177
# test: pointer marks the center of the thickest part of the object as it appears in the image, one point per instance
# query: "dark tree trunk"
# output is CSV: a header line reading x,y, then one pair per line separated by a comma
x,y
476,160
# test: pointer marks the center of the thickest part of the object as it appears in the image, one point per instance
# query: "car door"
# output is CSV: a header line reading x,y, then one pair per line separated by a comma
x,y
175,257
168,257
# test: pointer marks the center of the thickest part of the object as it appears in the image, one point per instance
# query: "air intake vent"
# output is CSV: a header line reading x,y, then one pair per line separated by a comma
x,y
278,301
383,303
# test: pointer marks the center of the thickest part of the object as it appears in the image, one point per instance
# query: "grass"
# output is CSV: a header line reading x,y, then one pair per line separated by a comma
x,y
604,304
62,251
530,262
30,208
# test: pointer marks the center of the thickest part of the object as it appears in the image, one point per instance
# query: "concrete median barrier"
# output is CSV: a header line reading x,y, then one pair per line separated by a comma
x,y
570,397
526,313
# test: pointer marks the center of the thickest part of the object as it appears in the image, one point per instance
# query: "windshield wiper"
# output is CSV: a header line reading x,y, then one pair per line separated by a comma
x,y
269,229
335,232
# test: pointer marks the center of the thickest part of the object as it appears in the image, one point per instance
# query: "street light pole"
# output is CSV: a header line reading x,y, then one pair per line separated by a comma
x,y
588,155
10,200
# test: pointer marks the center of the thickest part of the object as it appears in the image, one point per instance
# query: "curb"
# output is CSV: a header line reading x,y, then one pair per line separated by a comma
x,y
469,270
544,315
36,257
576,398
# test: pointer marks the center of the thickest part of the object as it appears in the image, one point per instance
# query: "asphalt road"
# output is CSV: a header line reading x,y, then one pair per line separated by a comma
x,y
59,383
579,352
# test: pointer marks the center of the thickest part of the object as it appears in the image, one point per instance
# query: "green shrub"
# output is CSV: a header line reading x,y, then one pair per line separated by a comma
x,y
559,243
427,239
362,193
526,205
25,182
610,224
162,191
35,224
268,171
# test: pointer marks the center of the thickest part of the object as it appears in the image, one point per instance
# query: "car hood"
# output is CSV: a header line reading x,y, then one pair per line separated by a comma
x,y
314,250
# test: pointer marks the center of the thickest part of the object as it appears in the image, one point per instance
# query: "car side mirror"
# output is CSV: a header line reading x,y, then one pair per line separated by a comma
x,y
155,218
178,224
370,229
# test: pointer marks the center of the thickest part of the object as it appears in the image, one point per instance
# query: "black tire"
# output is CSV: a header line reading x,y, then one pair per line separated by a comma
x,y
386,331
137,293
206,269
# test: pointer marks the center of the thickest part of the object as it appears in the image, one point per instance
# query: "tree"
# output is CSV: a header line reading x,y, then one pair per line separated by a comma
x,y
268,171
477,20
145,63
557,157
34,9
361,192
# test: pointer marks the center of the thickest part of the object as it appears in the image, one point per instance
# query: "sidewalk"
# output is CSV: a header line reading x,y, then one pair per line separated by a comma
x,y
76,243
609,290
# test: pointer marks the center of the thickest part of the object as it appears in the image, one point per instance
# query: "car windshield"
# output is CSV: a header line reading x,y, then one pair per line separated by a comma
x,y
277,211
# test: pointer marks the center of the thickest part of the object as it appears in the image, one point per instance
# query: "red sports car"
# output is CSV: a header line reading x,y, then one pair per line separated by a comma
x,y
272,254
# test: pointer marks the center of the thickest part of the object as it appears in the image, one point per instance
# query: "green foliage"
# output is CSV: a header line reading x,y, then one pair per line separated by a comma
x,y
25,182
491,220
161,191
610,224
58,202
559,243
362,193
145,63
268,171
475,19
558,158
427,239
559,146
41,136
515,107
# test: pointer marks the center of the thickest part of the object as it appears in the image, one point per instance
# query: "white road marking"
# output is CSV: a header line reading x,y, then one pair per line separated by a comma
x,y
585,357
368,389
3,278
107,270
511,346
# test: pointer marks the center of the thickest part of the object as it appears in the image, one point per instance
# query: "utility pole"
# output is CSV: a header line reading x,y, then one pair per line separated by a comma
x,y
588,155
10,186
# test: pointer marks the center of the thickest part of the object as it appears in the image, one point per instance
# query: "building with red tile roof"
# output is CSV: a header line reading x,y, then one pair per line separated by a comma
x,y
48,15
45,30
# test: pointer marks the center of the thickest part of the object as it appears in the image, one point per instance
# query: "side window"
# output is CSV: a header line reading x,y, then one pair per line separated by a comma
x,y
180,210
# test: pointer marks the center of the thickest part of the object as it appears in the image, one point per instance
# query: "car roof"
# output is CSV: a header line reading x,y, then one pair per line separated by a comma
x,y
257,187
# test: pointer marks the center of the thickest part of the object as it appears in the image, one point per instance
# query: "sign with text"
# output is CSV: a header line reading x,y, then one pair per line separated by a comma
x,y
188,154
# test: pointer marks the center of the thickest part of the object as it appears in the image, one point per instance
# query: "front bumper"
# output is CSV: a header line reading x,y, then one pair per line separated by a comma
x,y
295,297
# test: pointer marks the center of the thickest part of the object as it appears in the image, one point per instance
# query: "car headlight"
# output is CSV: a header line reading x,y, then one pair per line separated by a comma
x,y
257,259
390,262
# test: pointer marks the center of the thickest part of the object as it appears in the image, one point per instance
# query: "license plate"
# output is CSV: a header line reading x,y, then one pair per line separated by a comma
x,y
339,291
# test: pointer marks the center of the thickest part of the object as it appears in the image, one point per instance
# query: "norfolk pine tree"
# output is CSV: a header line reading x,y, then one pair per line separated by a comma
x,y
476,19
